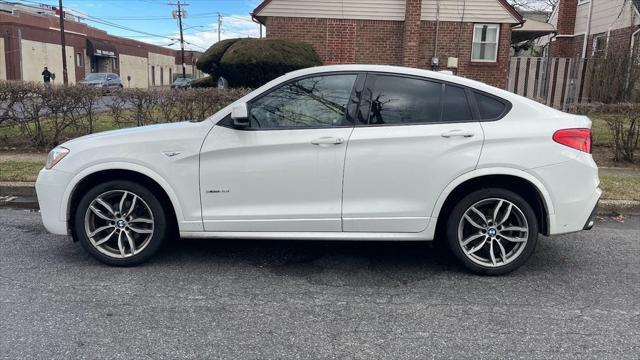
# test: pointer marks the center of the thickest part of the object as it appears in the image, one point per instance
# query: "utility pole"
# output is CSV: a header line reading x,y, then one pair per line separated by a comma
x,y
219,25
180,14
65,77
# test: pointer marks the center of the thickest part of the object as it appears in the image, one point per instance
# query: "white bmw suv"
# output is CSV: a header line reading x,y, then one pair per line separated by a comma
x,y
347,152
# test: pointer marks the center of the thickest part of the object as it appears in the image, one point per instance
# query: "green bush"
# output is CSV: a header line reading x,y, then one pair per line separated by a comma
x,y
210,60
205,82
254,62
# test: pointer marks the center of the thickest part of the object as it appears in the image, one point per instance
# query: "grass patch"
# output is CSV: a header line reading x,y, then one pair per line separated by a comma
x,y
20,170
620,187
600,129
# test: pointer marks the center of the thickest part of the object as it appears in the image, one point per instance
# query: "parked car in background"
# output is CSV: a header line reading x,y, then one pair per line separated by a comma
x,y
345,152
103,80
181,83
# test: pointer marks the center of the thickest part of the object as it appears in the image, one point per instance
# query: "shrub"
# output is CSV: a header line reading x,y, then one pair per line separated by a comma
x,y
254,62
623,123
208,62
205,82
37,116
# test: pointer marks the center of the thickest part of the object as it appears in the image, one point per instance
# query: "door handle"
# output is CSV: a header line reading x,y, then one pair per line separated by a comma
x,y
327,140
457,133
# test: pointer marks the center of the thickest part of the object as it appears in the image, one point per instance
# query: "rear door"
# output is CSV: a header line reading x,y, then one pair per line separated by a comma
x,y
412,137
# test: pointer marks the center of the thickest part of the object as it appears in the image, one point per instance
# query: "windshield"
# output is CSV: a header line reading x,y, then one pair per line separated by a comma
x,y
95,77
181,80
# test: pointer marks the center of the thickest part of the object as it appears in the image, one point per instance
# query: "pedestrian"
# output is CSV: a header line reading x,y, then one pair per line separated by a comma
x,y
46,76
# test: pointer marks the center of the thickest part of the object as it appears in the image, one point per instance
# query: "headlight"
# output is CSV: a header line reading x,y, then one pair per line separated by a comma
x,y
55,156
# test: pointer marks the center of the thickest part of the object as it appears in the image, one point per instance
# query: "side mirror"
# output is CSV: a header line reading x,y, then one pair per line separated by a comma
x,y
240,115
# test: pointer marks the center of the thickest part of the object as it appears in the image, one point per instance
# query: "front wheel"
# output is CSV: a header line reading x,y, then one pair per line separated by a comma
x,y
120,223
492,231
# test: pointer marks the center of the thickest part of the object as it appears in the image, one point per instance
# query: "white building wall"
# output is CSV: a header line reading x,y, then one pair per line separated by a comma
x,y
605,16
36,55
136,67
157,62
472,11
337,9
450,10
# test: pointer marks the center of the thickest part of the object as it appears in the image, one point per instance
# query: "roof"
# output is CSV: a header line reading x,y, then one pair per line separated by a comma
x,y
510,9
531,29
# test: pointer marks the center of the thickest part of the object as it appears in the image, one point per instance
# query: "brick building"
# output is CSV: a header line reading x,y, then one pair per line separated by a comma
x,y
471,38
30,40
590,28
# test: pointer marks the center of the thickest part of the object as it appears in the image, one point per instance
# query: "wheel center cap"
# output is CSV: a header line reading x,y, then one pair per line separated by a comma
x,y
121,224
492,232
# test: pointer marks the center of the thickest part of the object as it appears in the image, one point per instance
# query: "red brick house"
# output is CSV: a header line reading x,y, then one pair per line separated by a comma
x,y
471,38
589,28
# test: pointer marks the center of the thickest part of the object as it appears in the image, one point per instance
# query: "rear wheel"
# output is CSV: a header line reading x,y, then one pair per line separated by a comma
x,y
120,223
492,231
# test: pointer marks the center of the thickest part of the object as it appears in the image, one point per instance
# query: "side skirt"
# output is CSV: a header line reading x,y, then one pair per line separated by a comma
x,y
422,236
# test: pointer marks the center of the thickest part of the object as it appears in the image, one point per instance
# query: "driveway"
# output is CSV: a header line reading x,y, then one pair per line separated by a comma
x,y
578,297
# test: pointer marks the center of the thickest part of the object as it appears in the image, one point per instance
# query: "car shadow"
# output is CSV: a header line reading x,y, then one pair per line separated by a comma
x,y
361,262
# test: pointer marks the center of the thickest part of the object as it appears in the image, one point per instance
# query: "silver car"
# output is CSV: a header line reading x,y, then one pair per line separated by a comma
x,y
103,80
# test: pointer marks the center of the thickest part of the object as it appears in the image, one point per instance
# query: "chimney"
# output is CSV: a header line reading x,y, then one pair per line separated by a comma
x,y
567,16
411,38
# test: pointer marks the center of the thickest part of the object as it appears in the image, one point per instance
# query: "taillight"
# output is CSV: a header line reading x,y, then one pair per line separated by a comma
x,y
579,139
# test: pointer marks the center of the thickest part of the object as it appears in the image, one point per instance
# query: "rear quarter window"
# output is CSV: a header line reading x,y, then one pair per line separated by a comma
x,y
489,107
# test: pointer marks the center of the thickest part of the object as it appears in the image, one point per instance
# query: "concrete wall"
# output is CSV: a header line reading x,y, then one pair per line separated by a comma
x,y
136,67
3,65
37,55
161,65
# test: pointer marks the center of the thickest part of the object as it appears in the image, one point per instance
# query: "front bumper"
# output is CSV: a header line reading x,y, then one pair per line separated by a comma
x,y
50,188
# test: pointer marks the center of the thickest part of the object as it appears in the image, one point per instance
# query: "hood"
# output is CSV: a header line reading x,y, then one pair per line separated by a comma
x,y
133,133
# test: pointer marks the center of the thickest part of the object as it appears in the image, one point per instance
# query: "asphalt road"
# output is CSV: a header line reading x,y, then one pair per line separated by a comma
x,y
578,297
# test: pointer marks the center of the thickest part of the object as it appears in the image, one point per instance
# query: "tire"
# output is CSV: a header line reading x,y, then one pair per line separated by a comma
x,y
134,236
511,236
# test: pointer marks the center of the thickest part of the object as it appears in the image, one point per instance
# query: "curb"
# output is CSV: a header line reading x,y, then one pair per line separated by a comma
x,y
26,189
23,195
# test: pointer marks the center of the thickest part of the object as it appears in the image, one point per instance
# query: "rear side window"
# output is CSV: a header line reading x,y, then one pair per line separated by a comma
x,y
489,107
455,105
396,100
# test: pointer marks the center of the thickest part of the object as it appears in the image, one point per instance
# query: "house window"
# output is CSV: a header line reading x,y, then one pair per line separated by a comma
x,y
580,2
78,59
485,42
599,45
153,75
161,76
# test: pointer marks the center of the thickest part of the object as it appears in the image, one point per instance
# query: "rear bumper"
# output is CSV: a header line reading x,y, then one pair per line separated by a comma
x,y
575,191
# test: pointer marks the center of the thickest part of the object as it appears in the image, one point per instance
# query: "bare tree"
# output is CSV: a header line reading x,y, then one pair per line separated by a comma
x,y
534,5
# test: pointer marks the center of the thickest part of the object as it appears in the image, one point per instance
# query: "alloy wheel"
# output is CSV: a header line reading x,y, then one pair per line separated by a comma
x,y
493,232
119,223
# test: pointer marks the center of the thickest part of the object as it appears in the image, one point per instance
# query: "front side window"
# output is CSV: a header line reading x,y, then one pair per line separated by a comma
x,y
315,102
401,100
485,42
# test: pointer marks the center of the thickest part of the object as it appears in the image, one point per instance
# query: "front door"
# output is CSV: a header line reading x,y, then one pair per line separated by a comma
x,y
412,138
284,171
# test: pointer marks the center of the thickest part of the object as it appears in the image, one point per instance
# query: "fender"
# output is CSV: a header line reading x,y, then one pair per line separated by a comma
x,y
493,171
64,210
